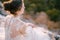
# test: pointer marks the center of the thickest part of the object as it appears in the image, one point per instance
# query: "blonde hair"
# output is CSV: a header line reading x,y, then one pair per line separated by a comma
x,y
7,1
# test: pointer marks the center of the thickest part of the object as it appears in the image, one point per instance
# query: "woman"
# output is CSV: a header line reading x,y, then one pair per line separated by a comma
x,y
13,23
16,29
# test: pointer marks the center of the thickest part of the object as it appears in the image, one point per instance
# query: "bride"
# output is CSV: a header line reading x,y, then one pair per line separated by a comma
x,y
16,29
13,24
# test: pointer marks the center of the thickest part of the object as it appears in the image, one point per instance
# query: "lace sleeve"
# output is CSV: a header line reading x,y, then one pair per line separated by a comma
x,y
16,25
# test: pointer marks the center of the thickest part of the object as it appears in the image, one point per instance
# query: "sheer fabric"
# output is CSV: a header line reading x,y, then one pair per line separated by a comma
x,y
14,24
12,27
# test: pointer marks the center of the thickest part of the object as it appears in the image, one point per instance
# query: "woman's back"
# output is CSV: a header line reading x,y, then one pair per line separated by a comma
x,y
13,25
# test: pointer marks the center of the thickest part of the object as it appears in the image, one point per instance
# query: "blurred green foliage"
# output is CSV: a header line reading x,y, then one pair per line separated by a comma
x,y
51,7
54,14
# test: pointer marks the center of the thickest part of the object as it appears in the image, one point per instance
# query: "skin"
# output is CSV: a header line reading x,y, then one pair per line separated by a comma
x,y
20,12
21,31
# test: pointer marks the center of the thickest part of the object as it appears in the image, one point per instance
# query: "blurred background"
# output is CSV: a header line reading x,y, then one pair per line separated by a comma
x,y
43,11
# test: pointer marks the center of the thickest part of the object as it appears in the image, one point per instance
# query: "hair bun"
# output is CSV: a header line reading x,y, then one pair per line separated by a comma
x,y
13,6
7,6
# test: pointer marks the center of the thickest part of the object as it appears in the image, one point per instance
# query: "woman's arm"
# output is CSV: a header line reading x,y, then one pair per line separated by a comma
x,y
52,37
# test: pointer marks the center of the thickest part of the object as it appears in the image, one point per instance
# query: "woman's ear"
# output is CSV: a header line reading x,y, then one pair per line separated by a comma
x,y
23,7
21,11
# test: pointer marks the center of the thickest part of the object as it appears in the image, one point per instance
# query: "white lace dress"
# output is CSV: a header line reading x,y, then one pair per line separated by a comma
x,y
13,24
